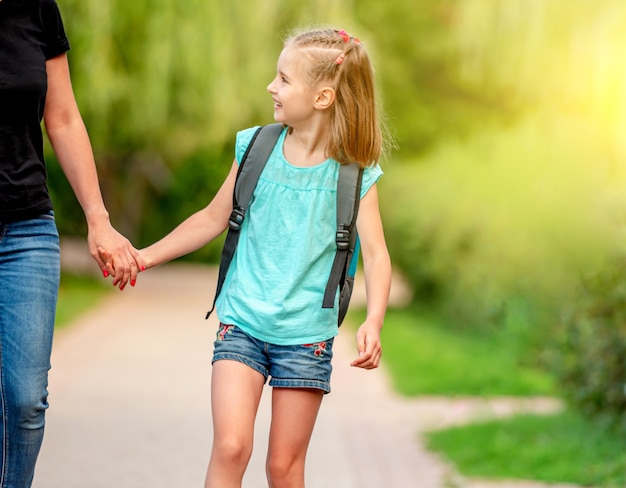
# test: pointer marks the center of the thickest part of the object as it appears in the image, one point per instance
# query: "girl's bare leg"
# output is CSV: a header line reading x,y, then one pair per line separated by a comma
x,y
294,412
235,394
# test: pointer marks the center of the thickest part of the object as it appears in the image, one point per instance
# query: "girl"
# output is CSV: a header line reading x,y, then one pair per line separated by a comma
x,y
271,320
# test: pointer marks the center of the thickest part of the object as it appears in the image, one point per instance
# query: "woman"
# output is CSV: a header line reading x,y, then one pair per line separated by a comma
x,y
35,85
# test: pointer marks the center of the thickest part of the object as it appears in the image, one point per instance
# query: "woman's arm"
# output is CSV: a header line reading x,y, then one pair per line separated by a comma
x,y
377,270
71,144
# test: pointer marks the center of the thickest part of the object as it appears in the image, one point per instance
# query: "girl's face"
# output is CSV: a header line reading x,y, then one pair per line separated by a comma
x,y
293,97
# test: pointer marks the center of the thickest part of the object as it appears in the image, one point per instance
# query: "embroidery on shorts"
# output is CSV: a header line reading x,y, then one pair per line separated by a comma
x,y
319,348
223,330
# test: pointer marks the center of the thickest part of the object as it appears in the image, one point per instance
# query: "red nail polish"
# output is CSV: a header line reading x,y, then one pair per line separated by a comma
x,y
132,283
105,273
143,268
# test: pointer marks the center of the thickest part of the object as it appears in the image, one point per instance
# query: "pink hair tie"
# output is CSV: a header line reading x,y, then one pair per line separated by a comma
x,y
340,58
347,37
344,35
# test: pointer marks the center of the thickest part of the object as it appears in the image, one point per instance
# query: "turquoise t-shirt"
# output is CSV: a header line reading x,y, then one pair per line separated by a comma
x,y
276,281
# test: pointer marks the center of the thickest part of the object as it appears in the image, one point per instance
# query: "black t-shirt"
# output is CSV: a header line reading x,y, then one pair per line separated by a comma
x,y
31,32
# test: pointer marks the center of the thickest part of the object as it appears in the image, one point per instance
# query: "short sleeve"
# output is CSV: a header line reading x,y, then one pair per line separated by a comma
x,y
371,175
243,141
55,39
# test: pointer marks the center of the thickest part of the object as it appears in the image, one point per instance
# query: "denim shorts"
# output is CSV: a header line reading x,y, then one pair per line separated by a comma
x,y
304,366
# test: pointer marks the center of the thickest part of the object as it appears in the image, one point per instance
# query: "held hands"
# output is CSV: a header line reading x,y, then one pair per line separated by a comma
x,y
120,273
115,255
368,345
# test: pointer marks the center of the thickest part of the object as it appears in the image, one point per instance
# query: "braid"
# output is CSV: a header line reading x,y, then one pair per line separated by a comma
x,y
337,58
327,48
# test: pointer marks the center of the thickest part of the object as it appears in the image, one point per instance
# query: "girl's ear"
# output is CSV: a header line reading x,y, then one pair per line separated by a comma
x,y
324,98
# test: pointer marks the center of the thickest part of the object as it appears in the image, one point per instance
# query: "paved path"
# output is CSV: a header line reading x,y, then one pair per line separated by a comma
x,y
130,405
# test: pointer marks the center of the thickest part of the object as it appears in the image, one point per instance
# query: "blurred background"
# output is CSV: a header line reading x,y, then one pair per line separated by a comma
x,y
504,202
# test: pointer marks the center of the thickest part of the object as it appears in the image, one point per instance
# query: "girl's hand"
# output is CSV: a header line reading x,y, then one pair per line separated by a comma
x,y
369,346
122,271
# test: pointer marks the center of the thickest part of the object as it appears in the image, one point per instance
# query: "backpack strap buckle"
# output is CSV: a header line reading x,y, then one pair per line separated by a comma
x,y
236,218
342,238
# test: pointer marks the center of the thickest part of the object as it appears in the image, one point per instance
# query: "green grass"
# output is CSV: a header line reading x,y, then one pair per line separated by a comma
x,y
426,358
77,294
563,448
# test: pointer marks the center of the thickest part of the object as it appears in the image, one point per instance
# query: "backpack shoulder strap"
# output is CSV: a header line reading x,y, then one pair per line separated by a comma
x,y
348,199
255,157
250,169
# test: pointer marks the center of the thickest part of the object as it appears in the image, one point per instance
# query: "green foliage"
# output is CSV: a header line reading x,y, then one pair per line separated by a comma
x,y
510,213
188,190
563,448
158,81
157,75
590,357
161,198
517,199
562,54
417,59
426,357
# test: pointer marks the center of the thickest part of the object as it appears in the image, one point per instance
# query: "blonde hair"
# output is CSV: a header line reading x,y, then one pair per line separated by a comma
x,y
336,57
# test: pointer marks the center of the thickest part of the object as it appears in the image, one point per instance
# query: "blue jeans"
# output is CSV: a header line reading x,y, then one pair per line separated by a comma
x,y
29,284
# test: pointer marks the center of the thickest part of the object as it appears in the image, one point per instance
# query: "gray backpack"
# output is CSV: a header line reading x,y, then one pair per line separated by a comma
x,y
348,199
